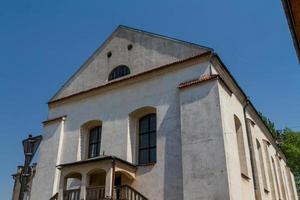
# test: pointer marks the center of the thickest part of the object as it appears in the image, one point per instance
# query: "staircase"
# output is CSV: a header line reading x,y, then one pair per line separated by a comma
x,y
55,197
125,192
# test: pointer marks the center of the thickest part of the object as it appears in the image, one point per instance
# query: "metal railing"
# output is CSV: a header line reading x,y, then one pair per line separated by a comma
x,y
125,192
95,193
55,197
72,194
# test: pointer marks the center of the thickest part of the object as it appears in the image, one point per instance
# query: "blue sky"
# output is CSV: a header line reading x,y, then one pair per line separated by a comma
x,y
42,43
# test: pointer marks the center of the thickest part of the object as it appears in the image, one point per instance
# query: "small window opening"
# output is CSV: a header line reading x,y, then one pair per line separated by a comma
x,y
118,72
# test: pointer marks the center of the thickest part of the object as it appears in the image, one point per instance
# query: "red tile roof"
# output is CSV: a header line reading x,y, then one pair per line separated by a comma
x,y
199,80
53,120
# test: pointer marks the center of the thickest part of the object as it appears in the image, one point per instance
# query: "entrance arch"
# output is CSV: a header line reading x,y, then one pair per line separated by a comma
x,y
72,184
96,184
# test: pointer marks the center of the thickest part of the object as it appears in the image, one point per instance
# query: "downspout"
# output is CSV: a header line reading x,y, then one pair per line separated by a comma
x,y
113,177
248,132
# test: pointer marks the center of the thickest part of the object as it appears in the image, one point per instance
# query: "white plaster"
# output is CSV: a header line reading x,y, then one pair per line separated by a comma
x,y
197,154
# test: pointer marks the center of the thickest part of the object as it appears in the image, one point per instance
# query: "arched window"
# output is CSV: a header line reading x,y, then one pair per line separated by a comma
x,y
147,139
94,142
241,146
269,167
96,184
118,72
262,165
276,177
72,184
281,181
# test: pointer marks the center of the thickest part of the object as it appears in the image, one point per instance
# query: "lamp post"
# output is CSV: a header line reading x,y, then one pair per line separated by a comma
x,y
30,146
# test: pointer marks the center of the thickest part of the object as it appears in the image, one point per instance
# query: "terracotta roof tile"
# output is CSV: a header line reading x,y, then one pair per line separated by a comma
x,y
201,79
54,120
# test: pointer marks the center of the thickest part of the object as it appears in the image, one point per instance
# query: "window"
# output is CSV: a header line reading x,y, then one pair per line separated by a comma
x,y
72,181
290,182
118,72
241,147
94,142
147,139
281,178
285,182
276,177
262,165
269,167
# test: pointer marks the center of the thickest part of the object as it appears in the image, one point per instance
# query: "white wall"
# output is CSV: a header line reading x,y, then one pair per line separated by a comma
x,y
147,52
203,151
239,186
112,107
43,182
196,145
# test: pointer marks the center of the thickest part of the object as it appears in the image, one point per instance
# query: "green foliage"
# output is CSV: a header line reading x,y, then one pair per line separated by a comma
x,y
297,180
270,125
290,145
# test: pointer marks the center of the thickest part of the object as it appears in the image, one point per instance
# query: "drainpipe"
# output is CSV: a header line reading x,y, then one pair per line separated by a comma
x,y
113,177
248,132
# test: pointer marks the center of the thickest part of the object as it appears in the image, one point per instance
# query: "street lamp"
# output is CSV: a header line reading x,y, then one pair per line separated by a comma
x,y
30,146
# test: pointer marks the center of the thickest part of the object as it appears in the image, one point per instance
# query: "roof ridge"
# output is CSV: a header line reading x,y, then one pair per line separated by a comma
x,y
164,37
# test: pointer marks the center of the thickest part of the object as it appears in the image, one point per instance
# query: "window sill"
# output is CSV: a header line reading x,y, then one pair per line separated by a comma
x,y
145,165
245,176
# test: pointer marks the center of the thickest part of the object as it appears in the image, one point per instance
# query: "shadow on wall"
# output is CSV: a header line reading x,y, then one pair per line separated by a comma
x,y
51,131
163,46
170,130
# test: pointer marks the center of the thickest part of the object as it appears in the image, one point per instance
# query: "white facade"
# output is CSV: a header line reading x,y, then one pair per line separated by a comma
x,y
196,102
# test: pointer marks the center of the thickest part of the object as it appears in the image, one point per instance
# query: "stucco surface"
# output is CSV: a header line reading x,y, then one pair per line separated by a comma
x,y
43,182
239,186
164,179
203,153
197,153
148,51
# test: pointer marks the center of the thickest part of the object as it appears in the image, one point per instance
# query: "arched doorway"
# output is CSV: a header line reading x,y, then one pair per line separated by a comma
x,y
122,180
96,185
72,186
